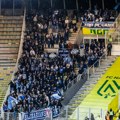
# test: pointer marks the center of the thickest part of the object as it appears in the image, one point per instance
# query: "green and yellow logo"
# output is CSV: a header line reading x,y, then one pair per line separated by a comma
x,y
110,87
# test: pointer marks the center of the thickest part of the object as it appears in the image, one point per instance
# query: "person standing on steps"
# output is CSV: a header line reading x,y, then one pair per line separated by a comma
x,y
109,49
107,117
111,114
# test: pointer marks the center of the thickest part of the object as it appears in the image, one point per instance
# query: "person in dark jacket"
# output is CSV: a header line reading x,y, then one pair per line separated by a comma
x,y
109,49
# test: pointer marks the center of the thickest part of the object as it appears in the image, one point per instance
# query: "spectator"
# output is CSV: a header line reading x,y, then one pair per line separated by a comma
x,y
109,49
107,117
111,114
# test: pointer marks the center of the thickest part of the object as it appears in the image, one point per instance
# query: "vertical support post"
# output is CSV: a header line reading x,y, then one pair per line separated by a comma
x,y
83,41
66,112
103,4
20,116
97,38
90,4
38,4
8,115
105,40
90,41
51,3
64,5
77,113
0,7
88,73
93,69
101,113
99,63
77,5
119,100
30,5
51,115
23,5
89,114
13,7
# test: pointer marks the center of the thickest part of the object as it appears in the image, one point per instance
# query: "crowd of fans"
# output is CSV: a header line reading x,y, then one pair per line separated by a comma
x,y
42,77
97,17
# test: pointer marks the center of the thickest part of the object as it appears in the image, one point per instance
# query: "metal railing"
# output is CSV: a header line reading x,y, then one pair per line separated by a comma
x,y
83,113
85,76
90,71
11,116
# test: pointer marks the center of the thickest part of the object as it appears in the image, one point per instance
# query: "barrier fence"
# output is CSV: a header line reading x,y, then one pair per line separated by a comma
x,y
81,113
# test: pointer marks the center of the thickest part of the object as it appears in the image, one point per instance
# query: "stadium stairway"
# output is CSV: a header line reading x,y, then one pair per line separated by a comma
x,y
72,40
88,86
10,35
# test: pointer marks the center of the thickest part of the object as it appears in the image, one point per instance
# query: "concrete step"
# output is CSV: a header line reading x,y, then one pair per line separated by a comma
x,y
12,17
8,60
8,52
11,29
9,49
51,50
10,21
8,56
10,33
8,65
88,86
10,37
56,46
10,25
9,45
10,42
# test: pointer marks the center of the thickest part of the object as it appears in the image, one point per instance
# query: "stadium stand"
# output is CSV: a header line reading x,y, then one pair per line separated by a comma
x,y
42,78
51,62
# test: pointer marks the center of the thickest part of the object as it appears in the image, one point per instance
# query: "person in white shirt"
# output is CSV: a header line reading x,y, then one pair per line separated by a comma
x,y
35,18
32,52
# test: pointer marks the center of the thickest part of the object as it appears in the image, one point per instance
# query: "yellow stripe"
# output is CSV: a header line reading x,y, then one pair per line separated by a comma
x,y
105,90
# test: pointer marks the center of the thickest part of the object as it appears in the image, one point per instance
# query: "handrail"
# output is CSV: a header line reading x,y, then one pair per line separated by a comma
x,y
97,61
15,69
77,79
88,70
